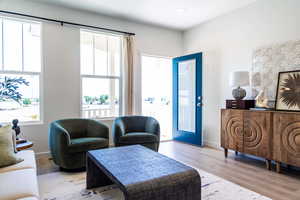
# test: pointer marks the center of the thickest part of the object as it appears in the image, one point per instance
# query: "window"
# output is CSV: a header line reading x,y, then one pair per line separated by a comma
x,y
20,70
157,95
100,75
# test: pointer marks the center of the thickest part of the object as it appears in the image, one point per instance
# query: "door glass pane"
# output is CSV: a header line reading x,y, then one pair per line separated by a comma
x,y
186,95
12,37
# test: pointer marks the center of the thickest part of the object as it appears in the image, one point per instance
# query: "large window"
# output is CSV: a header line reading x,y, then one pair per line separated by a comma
x,y
20,70
100,75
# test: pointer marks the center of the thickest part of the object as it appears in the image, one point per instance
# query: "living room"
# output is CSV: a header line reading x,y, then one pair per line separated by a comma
x,y
101,67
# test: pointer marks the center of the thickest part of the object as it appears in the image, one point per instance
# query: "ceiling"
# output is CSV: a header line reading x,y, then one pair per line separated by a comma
x,y
176,14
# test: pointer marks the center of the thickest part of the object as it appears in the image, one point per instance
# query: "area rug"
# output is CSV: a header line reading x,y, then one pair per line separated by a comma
x,y
71,186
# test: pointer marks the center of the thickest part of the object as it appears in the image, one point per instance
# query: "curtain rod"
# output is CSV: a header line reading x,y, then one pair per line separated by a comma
x,y
66,22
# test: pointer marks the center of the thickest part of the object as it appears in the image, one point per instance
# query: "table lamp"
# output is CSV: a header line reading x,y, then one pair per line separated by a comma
x,y
239,79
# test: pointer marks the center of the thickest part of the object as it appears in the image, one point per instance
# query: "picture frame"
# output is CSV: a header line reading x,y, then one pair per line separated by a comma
x,y
288,91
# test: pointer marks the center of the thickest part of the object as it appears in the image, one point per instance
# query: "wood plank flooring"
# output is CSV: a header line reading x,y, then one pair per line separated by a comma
x,y
242,170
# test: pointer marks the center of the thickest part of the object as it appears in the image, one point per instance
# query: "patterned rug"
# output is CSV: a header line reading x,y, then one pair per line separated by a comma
x,y
71,186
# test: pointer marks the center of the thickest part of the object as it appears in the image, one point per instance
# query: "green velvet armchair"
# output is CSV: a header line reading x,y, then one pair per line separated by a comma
x,y
70,139
130,130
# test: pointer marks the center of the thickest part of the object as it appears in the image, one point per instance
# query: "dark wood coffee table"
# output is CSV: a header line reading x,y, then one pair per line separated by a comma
x,y
142,174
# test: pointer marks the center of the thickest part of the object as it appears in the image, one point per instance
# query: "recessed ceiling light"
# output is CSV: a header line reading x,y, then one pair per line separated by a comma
x,y
180,10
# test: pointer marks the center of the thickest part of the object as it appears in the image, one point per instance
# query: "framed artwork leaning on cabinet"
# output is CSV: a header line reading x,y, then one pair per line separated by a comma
x,y
288,91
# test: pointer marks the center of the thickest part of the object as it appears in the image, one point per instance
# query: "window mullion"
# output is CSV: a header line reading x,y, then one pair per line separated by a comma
x,y
100,76
94,65
20,73
22,47
121,100
2,45
107,57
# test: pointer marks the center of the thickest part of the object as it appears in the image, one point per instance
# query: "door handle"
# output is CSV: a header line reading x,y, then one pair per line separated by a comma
x,y
199,104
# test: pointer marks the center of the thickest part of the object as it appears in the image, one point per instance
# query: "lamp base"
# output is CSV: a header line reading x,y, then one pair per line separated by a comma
x,y
239,93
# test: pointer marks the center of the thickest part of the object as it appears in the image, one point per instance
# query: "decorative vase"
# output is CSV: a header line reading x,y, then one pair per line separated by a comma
x,y
239,93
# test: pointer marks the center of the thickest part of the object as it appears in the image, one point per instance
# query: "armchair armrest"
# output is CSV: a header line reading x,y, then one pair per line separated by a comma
x,y
97,129
152,126
118,129
59,134
59,140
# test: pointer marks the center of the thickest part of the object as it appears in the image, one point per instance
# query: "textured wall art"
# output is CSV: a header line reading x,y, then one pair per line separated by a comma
x,y
268,62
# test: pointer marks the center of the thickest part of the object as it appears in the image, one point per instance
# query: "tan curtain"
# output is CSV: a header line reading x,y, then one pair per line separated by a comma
x,y
129,56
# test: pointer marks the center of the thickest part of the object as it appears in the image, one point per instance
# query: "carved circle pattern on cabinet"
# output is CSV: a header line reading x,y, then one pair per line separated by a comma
x,y
233,131
290,138
247,132
253,137
234,127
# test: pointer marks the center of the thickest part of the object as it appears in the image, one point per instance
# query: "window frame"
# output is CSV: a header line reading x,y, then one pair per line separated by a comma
x,y
108,77
23,72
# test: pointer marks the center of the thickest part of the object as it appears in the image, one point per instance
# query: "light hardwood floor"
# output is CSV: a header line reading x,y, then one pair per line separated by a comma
x,y
243,170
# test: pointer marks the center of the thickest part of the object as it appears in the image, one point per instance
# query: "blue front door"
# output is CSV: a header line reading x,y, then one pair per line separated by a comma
x,y
187,99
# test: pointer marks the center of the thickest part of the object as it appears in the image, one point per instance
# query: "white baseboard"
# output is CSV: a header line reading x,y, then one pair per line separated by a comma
x,y
43,154
48,153
212,144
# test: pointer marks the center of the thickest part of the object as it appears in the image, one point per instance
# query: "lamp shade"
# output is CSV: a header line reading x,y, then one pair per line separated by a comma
x,y
239,78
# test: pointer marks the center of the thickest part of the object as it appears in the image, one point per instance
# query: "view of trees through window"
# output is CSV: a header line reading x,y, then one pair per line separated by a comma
x,y
100,74
20,68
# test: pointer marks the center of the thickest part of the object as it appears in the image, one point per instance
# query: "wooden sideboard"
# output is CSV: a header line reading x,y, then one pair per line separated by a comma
x,y
273,135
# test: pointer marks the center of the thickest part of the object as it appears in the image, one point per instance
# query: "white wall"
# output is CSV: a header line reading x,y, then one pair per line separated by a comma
x,y
228,42
61,58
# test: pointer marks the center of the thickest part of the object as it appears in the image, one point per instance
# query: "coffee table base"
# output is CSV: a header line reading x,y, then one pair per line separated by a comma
x,y
95,177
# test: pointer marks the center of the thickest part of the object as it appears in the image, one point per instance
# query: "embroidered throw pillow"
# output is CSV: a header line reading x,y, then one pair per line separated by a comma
x,y
7,152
